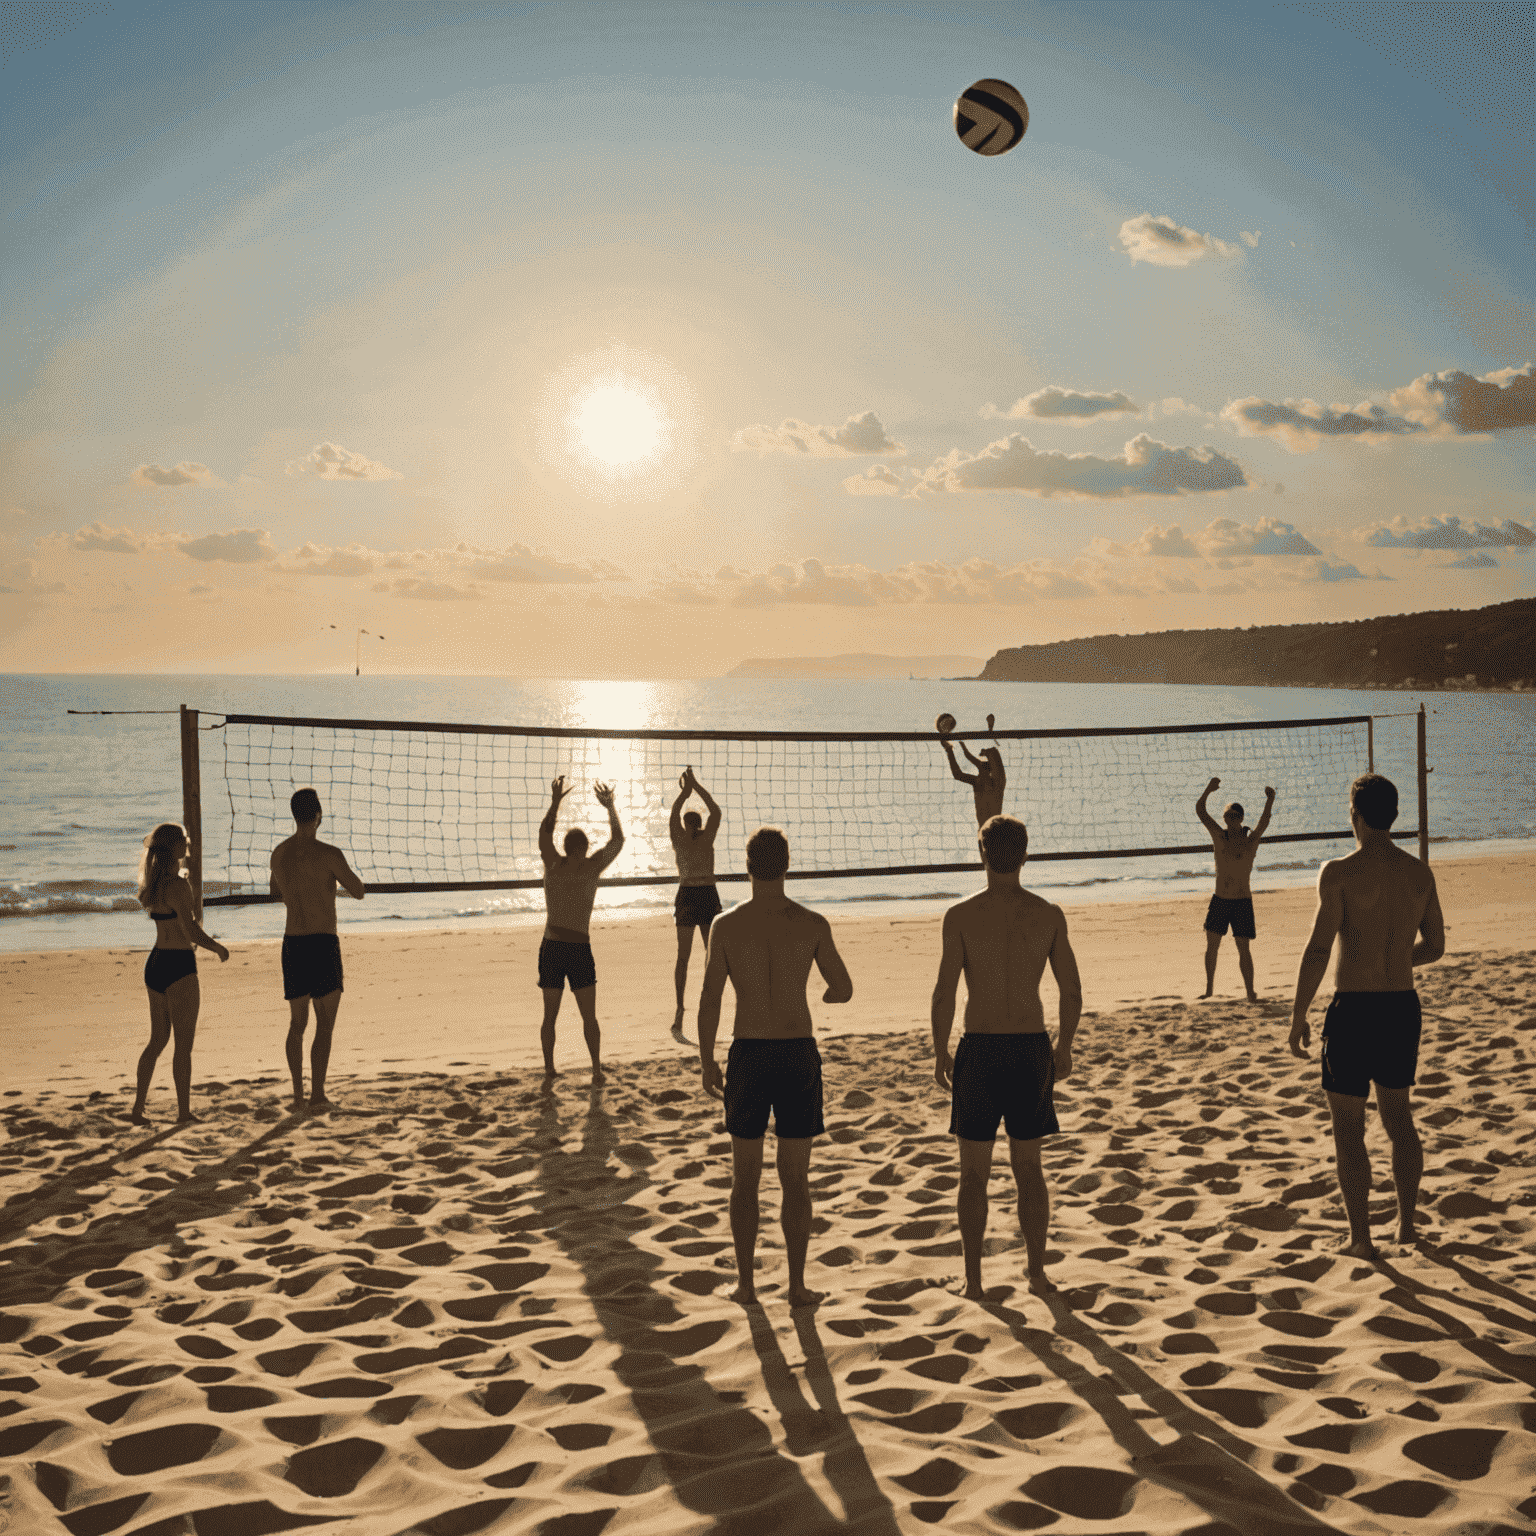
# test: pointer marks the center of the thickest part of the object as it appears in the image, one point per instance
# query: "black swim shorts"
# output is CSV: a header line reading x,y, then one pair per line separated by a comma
x,y
560,959
1236,910
781,1075
1003,1077
165,966
1370,1037
696,906
311,965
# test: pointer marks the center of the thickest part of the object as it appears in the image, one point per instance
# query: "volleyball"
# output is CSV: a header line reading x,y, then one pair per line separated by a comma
x,y
990,117
944,724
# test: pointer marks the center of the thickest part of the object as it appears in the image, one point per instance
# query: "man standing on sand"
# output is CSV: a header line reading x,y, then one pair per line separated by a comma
x,y
1004,1068
766,946
987,783
698,901
570,888
1232,904
305,874
1377,901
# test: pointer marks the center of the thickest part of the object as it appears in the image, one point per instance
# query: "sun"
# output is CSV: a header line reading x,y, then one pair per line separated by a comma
x,y
617,425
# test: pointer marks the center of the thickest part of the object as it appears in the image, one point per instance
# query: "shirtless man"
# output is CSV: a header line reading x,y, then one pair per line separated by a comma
x,y
766,946
1382,906
1004,1068
570,887
1235,848
305,874
698,901
987,783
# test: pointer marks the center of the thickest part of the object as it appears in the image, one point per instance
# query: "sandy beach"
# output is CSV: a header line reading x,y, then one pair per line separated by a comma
x,y
462,1303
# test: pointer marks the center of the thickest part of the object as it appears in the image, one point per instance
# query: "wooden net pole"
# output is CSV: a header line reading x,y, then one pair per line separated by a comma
x,y
192,806
1423,794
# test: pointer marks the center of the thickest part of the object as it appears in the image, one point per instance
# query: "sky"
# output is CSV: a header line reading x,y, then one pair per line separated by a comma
x,y
600,341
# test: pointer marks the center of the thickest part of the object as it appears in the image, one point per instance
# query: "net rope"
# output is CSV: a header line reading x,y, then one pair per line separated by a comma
x,y
445,807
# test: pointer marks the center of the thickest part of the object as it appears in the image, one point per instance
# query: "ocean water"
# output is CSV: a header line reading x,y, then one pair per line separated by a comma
x,y
81,790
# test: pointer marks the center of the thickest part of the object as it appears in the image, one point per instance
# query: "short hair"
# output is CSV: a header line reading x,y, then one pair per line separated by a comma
x,y
1374,798
692,819
1004,842
767,854
575,842
1235,809
305,805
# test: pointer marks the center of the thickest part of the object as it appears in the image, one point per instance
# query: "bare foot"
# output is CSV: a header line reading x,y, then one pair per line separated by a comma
x,y
1360,1250
1253,997
974,1292
799,1296
137,1118
321,1102
1408,1233
744,1296
1040,1284
299,1101
597,1074
1205,994
187,1119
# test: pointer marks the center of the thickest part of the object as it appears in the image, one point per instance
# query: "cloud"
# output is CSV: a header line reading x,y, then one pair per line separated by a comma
x,y
318,560
1496,402
1155,543
1476,561
1328,572
877,480
113,541
1056,404
425,590
330,461
185,473
1268,536
858,435
1302,424
1158,240
241,546
1445,533
518,563
1250,237
1146,468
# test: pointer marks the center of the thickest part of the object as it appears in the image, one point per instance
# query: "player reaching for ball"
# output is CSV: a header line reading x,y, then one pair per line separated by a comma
x,y
988,782
698,901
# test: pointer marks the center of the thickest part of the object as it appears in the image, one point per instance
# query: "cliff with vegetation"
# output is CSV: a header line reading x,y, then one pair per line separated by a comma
x,y
861,664
1491,647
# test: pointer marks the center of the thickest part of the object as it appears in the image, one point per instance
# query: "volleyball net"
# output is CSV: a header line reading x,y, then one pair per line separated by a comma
x,y
423,806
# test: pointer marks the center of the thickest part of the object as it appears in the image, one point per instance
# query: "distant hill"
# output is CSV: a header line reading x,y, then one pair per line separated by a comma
x,y
858,664
1492,647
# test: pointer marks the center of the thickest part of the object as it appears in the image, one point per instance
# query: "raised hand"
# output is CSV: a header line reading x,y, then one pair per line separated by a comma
x,y
557,789
604,793
1269,794
990,719
1213,785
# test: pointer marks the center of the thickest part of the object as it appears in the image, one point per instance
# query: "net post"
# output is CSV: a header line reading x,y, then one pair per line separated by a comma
x,y
1370,745
192,806
1423,795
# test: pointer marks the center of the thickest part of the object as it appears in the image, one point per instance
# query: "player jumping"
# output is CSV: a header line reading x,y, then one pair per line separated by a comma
x,y
1235,847
698,901
987,783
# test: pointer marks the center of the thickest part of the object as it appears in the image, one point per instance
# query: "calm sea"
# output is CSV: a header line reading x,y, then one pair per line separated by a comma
x,y
80,791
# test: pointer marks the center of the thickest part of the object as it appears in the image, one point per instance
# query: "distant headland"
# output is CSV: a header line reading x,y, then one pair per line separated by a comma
x,y
1492,647
858,664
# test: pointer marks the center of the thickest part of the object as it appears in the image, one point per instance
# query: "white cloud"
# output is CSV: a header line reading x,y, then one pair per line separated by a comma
x,y
877,480
1445,533
330,461
1146,468
185,473
1478,560
1267,536
427,591
1161,242
241,546
317,560
1250,237
518,563
1155,543
114,541
1056,404
857,436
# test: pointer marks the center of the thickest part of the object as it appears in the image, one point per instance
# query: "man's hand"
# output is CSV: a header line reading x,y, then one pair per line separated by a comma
x,y
221,952
686,780
604,793
1269,794
1214,785
943,1068
990,719
1063,1060
1301,1036
713,1083
557,789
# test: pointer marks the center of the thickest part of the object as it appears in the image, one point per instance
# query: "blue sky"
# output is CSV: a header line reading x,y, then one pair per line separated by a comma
x,y
311,296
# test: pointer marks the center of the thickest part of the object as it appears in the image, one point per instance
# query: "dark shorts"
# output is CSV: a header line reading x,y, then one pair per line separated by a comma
x,y
1238,911
311,965
165,966
560,960
1370,1037
696,906
781,1075
1003,1077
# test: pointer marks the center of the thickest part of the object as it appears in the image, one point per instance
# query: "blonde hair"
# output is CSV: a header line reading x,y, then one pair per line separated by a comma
x,y
158,863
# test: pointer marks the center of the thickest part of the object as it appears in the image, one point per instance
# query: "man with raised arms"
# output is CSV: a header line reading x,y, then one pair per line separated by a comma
x,y
766,946
1004,1068
570,888
1235,848
305,874
1381,905
698,901
987,783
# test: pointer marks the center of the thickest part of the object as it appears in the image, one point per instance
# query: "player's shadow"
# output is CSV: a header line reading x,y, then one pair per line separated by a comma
x,y
1207,1464
60,1196
42,1268
718,1456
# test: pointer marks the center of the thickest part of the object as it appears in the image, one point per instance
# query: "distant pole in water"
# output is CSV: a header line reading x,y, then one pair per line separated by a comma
x,y
357,666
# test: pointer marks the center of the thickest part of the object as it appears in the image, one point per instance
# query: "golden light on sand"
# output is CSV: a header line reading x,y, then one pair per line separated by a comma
x,y
616,424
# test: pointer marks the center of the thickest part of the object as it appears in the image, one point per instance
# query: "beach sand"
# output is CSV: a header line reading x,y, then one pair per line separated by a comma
x,y
460,1303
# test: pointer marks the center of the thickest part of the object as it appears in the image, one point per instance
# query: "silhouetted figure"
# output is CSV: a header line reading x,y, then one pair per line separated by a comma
x,y
766,946
170,972
1377,901
698,901
1004,1068
570,888
305,874
987,783
1235,847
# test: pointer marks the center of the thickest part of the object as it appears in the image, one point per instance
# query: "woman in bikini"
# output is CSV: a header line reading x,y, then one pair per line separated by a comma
x,y
170,973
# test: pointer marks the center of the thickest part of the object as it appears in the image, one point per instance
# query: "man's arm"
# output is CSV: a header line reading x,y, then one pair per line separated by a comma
x,y
273,886
610,850
712,824
1068,983
1314,958
547,826
716,969
954,767
941,1011
1263,826
345,876
675,821
1432,926
1200,810
830,964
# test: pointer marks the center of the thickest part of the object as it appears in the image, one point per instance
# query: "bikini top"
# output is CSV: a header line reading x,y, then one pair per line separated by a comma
x,y
162,917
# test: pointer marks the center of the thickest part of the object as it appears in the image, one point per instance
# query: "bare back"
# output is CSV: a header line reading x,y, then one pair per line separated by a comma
x,y
695,853
570,888
1007,936
1383,898
767,948
305,874
1235,852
